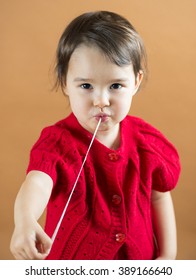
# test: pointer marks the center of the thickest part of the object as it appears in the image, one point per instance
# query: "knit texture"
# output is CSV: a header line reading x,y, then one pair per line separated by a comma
x,y
109,215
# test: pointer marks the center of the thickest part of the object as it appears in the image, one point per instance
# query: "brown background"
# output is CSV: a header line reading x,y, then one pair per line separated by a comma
x,y
29,31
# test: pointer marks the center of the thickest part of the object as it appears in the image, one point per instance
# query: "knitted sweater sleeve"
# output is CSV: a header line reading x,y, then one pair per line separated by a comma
x,y
45,155
163,158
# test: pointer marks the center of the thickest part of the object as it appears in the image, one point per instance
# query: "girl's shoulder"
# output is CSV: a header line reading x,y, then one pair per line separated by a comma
x,y
54,135
141,125
147,133
160,152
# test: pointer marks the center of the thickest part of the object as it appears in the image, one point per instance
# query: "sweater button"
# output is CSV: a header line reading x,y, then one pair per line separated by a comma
x,y
113,156
116,199
120,237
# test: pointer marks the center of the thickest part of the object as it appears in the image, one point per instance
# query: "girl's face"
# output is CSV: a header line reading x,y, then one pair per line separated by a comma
x,y
99,88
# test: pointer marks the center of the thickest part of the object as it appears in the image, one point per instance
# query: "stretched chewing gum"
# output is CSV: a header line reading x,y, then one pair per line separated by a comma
x,y
74,186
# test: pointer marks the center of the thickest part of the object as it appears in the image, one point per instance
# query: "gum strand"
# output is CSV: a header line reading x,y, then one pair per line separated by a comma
x,y
74,186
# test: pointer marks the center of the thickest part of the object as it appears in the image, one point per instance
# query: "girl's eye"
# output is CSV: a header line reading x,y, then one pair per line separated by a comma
x,y
86,86
116,86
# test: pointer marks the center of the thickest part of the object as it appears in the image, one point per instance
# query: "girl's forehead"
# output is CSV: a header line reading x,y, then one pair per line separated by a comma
x,y
88,56
90,63
85,55
88,49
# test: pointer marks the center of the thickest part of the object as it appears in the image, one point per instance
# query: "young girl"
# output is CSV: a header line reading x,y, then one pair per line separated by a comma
x,y
121,207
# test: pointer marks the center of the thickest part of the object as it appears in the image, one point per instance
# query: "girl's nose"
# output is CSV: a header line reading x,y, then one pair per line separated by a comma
x,y
101,100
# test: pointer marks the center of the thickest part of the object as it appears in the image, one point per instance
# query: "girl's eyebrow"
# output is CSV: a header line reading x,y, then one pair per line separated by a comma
x,y
118,80
80,79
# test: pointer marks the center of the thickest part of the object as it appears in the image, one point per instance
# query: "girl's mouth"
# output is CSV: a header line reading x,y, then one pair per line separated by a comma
x,y
104,117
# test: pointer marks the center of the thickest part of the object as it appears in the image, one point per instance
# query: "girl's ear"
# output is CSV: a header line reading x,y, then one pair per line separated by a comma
x,y
64,89
138,80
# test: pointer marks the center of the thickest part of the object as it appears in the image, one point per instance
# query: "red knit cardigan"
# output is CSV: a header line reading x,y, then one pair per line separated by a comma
x,y
109,215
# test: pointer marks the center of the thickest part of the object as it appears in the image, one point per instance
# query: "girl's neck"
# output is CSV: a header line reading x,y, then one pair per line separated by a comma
x,y
110,138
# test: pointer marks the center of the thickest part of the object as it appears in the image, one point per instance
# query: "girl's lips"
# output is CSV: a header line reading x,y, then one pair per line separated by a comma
x,y
103,117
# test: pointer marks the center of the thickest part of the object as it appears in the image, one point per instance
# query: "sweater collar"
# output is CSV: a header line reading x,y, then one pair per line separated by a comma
x,y
127,134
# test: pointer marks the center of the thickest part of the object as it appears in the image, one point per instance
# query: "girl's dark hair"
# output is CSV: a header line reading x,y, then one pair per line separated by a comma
x,y
111,33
